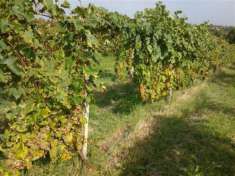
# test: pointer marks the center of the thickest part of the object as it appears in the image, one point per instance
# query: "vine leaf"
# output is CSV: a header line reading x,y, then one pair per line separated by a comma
x,y
11,64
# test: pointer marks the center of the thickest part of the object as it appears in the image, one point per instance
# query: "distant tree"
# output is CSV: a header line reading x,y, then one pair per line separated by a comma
x,y
231,36
218,31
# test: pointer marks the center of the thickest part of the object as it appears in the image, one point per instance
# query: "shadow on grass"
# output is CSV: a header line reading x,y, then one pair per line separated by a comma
x,y
107,74
121,98
224,78
232,66
205,104
45,167
178,147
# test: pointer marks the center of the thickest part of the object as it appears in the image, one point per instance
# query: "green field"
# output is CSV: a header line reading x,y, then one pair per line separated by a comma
x,y
192,135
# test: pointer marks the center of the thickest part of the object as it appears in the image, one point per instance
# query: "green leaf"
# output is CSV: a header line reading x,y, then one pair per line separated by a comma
x,y
11,64
4,25
16,92
49,4
150,49
65,4
91,40
138,43
3,46
3,78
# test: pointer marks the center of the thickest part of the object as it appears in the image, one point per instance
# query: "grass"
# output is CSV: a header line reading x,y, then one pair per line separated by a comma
x,y
194,135
113,116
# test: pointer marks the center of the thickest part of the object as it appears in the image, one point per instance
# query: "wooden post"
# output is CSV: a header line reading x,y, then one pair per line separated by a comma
x,y
132,72
86,128
169,98
85,139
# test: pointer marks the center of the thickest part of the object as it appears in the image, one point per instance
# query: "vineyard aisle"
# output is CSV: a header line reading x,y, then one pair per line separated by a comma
x,y
193,135
85,91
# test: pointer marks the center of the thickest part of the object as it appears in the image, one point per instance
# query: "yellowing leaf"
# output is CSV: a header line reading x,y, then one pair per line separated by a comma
x,y
68,138
21,152
28,37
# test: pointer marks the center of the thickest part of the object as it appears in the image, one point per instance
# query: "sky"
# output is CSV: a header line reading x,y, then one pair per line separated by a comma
x,y
218,12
